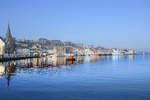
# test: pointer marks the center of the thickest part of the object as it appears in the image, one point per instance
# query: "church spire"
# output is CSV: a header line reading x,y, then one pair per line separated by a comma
x,y
10,42
8,34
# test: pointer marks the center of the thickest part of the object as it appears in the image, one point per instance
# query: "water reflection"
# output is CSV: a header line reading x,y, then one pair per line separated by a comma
x,y
2,70
9,69
96,76
56,62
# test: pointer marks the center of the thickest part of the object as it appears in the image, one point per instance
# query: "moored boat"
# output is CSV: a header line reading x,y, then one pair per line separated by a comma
x,y
70,58
95,55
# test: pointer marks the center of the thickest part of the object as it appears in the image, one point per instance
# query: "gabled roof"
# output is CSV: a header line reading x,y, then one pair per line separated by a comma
x,y
2,39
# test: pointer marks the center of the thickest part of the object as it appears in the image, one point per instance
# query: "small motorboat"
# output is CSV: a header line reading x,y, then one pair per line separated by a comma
x,y
70,58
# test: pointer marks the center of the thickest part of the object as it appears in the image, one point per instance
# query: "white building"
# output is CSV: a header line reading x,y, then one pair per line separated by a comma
x,y
2,46
23,51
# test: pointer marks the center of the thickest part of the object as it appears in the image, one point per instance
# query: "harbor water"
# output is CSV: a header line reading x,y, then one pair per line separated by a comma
x,y
87,78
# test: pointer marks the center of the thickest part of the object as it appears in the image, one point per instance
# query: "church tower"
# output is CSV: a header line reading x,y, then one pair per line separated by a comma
x,y
10,42
8,35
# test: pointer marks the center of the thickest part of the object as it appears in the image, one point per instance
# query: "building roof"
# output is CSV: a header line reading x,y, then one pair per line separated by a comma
x,y
2,39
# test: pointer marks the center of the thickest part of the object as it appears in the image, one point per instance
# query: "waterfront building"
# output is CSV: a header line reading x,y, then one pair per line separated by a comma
x,y
131,51
34,47
23,51
78,51
88,51
2,46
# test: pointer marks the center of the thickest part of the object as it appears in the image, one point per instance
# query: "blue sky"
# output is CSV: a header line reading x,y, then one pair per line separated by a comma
x,y
109,23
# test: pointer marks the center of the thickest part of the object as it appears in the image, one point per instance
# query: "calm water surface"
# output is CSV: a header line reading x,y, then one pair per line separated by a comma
x,y
88,78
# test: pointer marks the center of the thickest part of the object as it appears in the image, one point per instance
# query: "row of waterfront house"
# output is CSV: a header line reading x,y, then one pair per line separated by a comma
x,y
43,47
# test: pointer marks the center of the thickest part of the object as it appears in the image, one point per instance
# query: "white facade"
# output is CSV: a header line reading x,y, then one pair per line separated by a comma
x,y
2,46
23,51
